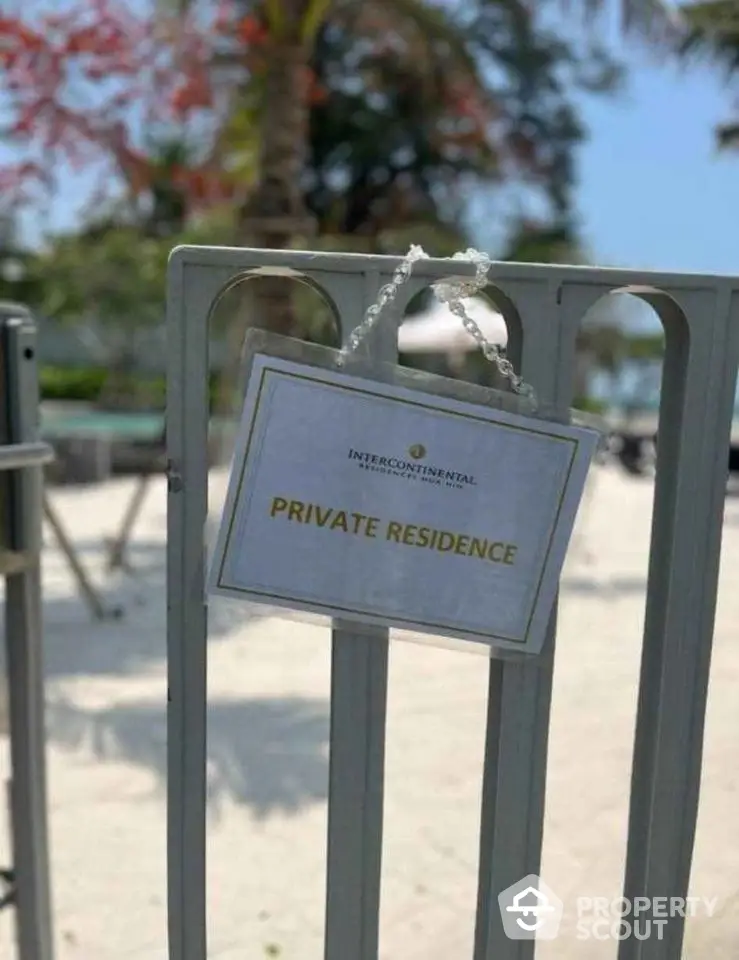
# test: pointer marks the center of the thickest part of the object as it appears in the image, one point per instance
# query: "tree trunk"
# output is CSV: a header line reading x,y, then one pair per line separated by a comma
x,y
275,214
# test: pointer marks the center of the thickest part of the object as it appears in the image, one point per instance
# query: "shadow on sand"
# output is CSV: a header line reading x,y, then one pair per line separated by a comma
x,y
270,754
77,644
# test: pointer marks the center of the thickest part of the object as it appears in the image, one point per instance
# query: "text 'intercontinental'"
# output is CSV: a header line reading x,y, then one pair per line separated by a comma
x,y
407,470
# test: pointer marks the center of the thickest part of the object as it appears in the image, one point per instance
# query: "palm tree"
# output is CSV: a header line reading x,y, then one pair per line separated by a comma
x,y
435,37
713,32
277,102
654,20
275,214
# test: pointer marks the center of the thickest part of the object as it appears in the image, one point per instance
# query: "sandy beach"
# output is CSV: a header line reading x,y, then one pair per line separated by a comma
x,y
268,746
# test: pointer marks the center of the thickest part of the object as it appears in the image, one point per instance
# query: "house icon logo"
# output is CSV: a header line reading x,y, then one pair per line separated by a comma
x,y
530,910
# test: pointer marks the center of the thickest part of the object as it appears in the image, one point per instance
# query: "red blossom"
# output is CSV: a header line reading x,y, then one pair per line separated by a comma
x,y
75,81
193,93
250,31
316,92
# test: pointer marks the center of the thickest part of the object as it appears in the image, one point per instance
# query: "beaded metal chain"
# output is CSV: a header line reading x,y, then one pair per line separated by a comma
x,y
450,292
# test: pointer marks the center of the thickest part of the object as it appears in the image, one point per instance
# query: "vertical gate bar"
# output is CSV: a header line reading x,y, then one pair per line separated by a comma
x,y
491,760
514,775
23,638
486,895
514,791
189,297
359,677
359,667
695,426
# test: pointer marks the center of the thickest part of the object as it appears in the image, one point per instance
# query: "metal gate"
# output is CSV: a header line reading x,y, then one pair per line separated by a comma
x,y
21,459
543,307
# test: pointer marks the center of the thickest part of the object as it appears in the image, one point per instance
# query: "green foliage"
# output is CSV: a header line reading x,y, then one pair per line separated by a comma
x,y
713,35
115,275
87,384
590,405
62,383
653,20
113,271
471,97
713,31
19,281
644,347
543,243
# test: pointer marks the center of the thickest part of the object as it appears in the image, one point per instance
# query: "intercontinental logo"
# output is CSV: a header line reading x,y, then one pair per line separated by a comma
x,y
412,466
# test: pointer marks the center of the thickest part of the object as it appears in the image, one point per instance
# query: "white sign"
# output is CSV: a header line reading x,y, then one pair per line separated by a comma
x,y
380,504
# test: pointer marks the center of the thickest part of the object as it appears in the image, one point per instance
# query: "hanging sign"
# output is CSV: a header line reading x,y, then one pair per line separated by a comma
x,y
381,504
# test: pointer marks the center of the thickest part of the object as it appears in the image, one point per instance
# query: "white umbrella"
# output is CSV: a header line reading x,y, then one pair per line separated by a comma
x,y
438,330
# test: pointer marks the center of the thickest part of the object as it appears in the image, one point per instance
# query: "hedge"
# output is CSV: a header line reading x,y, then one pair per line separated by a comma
x,y
57,383
86,384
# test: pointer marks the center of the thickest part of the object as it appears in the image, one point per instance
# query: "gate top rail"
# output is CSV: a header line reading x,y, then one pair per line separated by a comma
x,y
16,456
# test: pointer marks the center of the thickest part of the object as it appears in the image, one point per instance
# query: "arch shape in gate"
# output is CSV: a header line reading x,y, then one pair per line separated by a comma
x,y
543,306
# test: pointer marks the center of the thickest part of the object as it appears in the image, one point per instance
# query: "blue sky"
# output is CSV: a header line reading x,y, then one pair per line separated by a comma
x,y
654,192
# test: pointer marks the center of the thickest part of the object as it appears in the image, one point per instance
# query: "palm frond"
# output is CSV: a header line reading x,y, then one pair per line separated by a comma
x,y
712,34
712,31
715,16
727,136
430,24
654,20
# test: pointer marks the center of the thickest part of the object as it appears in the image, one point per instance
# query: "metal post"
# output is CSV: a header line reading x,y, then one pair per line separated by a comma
x,y
359,677
695,426
519,690
23,639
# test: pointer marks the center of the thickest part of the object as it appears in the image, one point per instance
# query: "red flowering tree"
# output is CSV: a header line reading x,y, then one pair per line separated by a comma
x,y
363,116
81,85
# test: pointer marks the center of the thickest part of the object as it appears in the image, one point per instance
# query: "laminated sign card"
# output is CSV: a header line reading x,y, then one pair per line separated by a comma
x,y
374,502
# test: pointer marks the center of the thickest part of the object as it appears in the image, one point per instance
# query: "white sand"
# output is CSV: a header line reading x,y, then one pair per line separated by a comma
x,y
268,717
